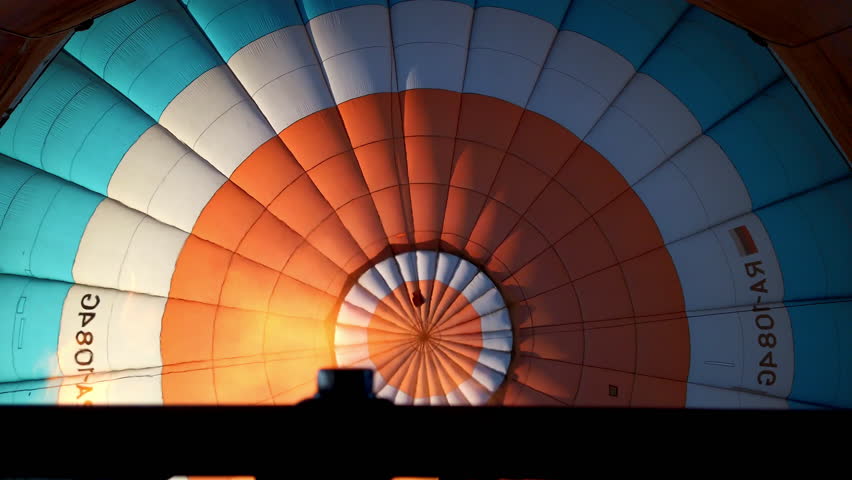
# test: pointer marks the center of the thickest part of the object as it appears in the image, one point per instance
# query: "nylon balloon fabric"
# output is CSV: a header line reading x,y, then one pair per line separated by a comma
x,y
500,202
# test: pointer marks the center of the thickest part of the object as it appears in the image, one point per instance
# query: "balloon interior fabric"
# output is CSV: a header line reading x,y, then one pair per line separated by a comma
x,y
500,202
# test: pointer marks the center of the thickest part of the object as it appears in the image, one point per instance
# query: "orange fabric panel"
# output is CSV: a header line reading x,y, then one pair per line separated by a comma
x,y
187,331
335,242
267,171
458,367
629,226
654,284
495,268
294,298
556,212
477,253
248,285
430,159
585,250
238,333
543,142
317,137
604,296
269,242
558,380
651,392
611,347
390,206
339,179
493,225
428,203
200,271
520,247
519,395
377,162
449,297
595,388
310,266
294,335
461,212
511,290
390,310
364,225
227,217
301,206
488,120
591,178
475,166
565,343
296,394
241,384
430,112
408,382
459,318
193,387
370,118
663,349
556,307
544,273
518,183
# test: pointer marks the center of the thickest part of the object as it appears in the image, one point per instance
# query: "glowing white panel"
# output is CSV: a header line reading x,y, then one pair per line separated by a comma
x,y
705,276
488,302
281,73
426,264
495,322
706,166
360,297
402,398
498,361
446,267
217,119
104,244
151,257
506,66
390,272
474,392
136,390
354,356
456,398
374,283
430,43
651,125
162,177
130,387
672,201
86,317
349,335
438,401
487,377
421,401
352,315
134,331
407,266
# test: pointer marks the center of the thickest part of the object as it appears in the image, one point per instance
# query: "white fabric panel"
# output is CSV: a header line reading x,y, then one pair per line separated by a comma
x,y
477,287
349,335
130,387
782,353
464,274
352,315
766,255
496,321
672,202
90,306
438,401
281,73
134,331
105,243
473,392
426,264
151,257
354,47
353,355
402,398
651,125
487,377
715,349
567,101
388,269
500,341
706,166
705,276
388,392
374,283
489,302
215,117
700,396
430,43
498,361
162,177
185,192
360,297
506,66
446,267
455,398
421,401
407,266
358,73
137,390
430,65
